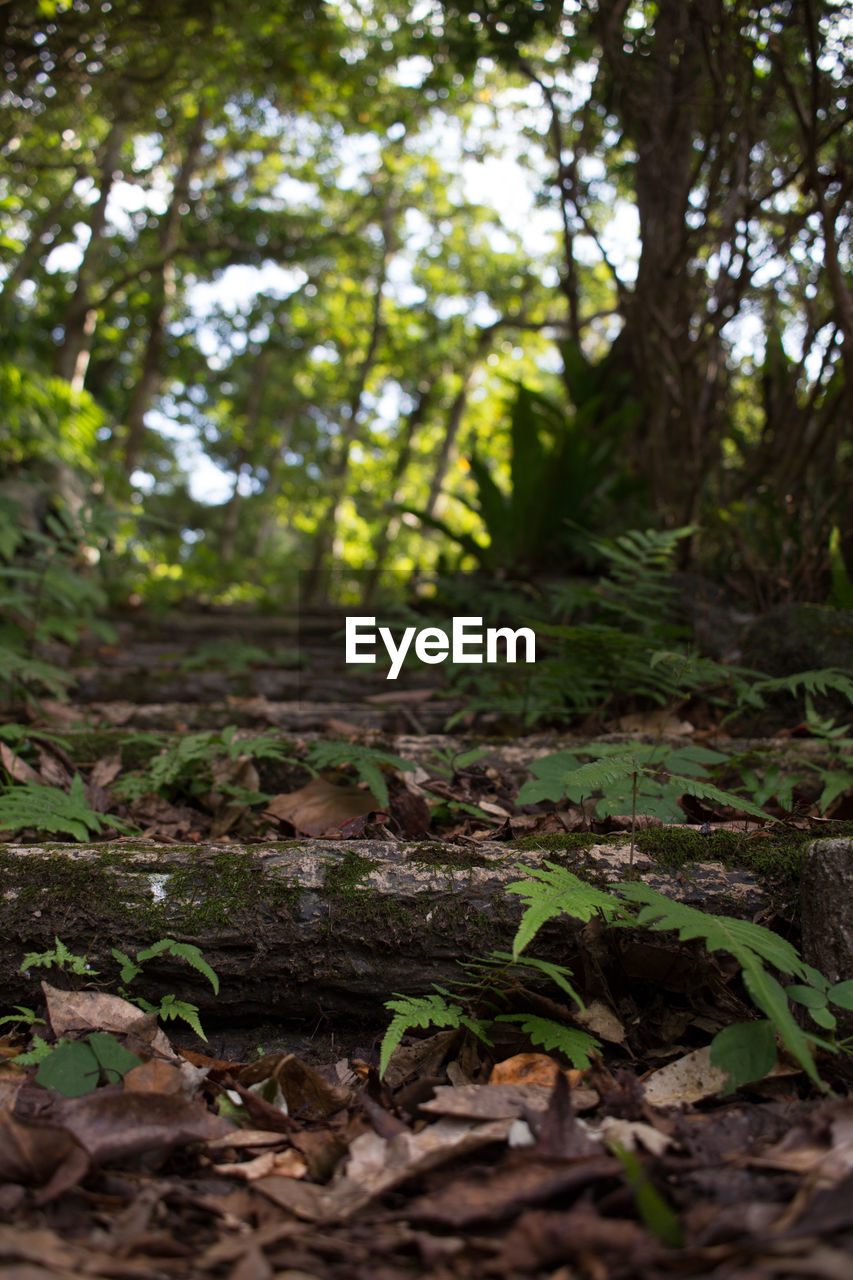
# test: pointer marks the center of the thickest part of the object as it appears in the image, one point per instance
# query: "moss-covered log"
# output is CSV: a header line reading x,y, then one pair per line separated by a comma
x,y
299,929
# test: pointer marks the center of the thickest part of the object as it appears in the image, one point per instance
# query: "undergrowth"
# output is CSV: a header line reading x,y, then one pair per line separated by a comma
x,y
745,1051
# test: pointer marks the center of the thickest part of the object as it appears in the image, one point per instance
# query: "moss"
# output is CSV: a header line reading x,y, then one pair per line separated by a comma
x,y
439,855
85,746
219,890
559,841
228,889
344,878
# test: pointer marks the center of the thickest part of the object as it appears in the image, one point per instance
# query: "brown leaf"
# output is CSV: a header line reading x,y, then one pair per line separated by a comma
x,y
112,1123
320,808
307,1095
17,768
27,1155
105,770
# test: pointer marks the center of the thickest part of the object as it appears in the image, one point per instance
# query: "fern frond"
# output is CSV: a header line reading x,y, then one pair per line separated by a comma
x,y
576,1045
707,791
365,760
750,944
552,891
820,680
556,973
50,809
182,951
416,1011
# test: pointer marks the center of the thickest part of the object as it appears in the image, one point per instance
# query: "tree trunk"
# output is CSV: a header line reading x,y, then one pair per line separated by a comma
x,y
337,472
72,358
162,297
300,929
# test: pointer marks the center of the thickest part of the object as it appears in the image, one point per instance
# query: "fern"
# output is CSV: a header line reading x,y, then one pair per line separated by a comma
x,y
16,670
821,680
750,944
559,775
50,809
552,891
576,1045
182,951
365,760
423,1011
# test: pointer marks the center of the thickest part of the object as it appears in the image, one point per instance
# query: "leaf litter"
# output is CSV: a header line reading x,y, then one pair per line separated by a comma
x,y
467,1159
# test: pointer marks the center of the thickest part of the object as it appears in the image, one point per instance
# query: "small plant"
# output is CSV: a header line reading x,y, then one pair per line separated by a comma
x,y
46,592
643,778
169,1008
746,1051
185,766
366,761
78,1067
24,1017
235,657
59,958
50,809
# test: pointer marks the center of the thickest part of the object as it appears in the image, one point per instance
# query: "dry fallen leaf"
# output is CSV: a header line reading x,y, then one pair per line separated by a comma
x,y
320,808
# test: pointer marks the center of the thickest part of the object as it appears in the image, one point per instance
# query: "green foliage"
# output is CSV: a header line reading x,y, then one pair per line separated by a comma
x,y
492,980
423,1011
47,593
24,1017
42,418
824,680
52,810
551,891
561,474
130,968
366,761
548,1034
658,1216
77,1067
185,765
185,951
643,778
623,641
752,946
59,958
234,656
169,1007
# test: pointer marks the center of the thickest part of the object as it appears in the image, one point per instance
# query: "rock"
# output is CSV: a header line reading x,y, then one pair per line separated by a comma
x,y
712,616
827,912
802,637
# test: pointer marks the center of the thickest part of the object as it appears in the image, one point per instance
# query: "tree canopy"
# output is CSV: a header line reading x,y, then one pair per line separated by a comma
x,y
254,242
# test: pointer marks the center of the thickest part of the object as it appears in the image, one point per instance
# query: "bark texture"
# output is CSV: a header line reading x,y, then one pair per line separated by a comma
x,y
301,929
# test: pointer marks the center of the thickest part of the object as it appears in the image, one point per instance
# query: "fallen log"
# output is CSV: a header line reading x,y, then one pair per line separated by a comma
x,y
301,929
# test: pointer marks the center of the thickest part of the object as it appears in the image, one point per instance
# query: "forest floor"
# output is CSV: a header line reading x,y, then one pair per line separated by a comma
x,y
275,1148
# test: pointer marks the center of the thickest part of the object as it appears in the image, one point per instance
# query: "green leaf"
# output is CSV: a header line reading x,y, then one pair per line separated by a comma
x,y
807,996
707,791
171,1007
842,994
416,1011
115,1061
576,1045
660,1219
746,1050
72,1069
552,891
182,951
